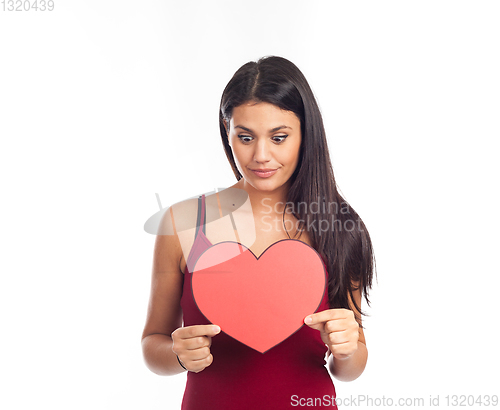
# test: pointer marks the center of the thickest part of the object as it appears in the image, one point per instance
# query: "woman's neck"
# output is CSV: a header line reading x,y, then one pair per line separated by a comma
x,y
265,202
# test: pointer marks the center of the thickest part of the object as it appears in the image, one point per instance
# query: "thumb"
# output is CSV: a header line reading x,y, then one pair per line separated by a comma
x,y
314,324
213,330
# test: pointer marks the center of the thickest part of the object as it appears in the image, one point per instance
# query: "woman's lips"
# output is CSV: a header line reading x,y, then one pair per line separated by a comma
x,y
264,173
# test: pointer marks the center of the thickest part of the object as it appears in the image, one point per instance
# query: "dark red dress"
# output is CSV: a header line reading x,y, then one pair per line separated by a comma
x,y
240,377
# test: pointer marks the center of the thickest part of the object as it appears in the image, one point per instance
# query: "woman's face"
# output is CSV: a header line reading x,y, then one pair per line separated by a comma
x,y
266,144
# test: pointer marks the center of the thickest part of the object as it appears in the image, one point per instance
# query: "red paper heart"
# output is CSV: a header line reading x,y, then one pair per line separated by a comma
x,y
259,301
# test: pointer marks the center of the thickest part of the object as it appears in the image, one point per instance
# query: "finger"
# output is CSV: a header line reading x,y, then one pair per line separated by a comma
x,y
197,330
318,326
337,325
198,365
197,354
337,338
197,342
344,350
324,316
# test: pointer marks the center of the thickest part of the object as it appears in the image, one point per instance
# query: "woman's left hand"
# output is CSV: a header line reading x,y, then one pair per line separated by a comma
x,y
339,330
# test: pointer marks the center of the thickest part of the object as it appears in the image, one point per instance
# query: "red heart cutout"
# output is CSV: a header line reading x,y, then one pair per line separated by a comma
x,y
259,301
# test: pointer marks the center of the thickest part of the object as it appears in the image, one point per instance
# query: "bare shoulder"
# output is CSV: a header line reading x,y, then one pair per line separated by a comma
x,y
183,218
183,214
175,236
180,219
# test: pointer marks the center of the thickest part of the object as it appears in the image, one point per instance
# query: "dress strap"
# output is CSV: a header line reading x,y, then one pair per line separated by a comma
x,y
202,215
218,202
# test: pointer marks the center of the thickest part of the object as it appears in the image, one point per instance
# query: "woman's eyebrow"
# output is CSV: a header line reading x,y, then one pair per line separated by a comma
x,y
279,127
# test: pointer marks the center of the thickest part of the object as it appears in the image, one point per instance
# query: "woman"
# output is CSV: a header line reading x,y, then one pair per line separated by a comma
x,y
274,139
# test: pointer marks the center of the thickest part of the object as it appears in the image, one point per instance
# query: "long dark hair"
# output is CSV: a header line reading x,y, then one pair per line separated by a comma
x,y
345,246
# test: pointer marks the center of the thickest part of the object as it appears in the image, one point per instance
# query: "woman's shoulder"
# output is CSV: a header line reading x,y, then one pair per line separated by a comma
x,y
169,219
182,216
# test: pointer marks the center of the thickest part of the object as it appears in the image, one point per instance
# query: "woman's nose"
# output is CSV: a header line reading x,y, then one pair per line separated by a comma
x,y
262,151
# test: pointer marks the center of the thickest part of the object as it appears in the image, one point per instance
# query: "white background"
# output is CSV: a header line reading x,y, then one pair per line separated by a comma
x,y
105,103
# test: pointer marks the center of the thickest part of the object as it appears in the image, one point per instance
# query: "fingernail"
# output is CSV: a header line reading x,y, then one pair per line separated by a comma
x,y
308,320
216,329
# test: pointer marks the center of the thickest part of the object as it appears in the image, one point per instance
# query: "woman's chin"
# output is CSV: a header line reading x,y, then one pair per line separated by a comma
x,y
265,186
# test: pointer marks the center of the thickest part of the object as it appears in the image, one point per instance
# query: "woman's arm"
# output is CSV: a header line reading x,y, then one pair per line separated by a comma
x,y
350,368
165,343
164,310
341,331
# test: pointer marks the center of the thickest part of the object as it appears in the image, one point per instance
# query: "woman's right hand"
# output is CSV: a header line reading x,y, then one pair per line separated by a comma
x,y
192,344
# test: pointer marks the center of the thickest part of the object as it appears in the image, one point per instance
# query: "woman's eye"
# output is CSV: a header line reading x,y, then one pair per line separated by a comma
x,y
245,138
280,138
